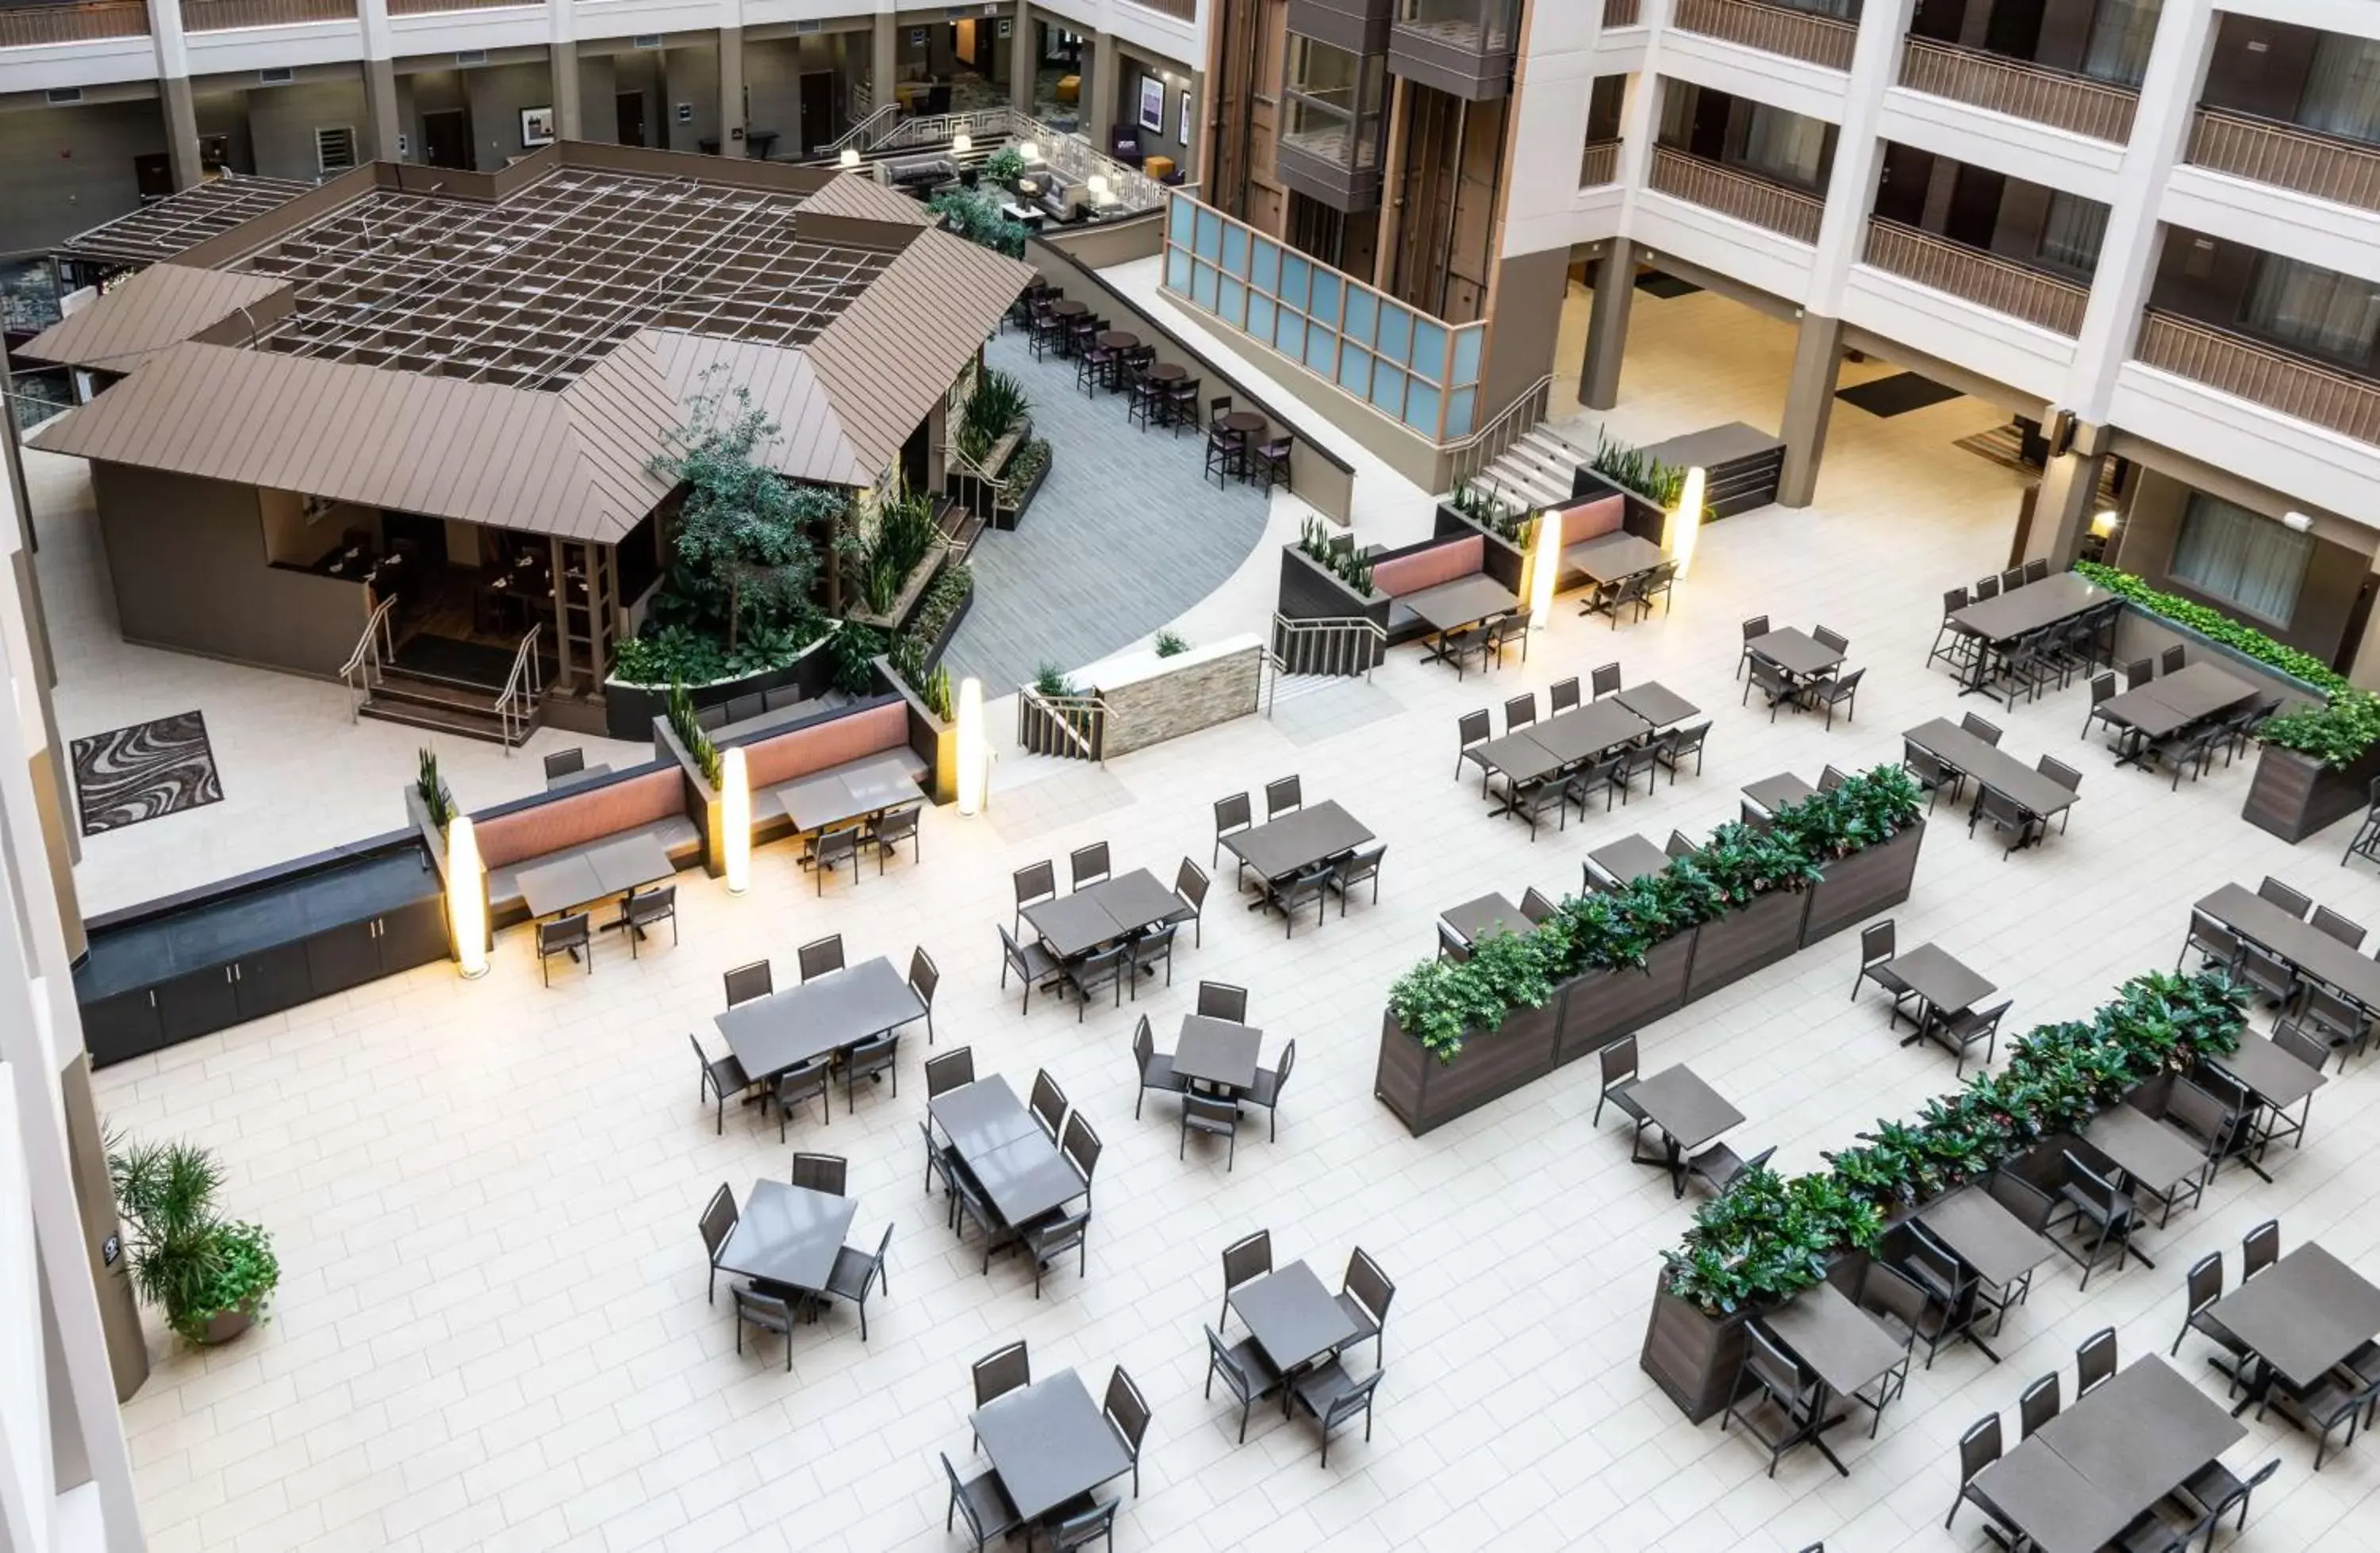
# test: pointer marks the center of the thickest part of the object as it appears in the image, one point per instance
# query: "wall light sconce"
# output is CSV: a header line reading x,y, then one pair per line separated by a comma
x,y
2103,523
973,773
1545,565
467,897
849,159
962,143
735,819
2297,522
1686,523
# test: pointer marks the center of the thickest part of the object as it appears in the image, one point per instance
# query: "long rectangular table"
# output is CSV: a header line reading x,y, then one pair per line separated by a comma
x,y
2021,611
619,867
1992,766
2306,947
1112,909
1295,843
1020,1171
1568,739
825,1013
1610,557
2165,706
830,799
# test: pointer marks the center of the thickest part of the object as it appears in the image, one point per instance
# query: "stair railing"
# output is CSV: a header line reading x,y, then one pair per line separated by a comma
x,y
1344,646
1071,727
516,708
863,135
1467,458
376,649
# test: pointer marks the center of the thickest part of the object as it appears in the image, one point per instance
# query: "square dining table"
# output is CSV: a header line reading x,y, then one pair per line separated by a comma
x,y
1628,859
2303,1313
1489,913
1292,1316
1948,987
1217,1051
1778,792
1049,1442
788,1235
1610,557
1796,651
1689,1112
1843,1345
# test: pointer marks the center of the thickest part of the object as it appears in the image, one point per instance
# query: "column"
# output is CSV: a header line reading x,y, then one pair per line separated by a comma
x,y
380,106
1024,60
569,114
667,116
181,129
885,66
2066,502
1607,325
2127,258
1194,159
1098,90
1850,186
1392,191
731,92
1809,400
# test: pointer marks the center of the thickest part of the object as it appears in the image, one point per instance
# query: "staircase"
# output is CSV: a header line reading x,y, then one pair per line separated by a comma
x,y
1535,472
450,706
443,685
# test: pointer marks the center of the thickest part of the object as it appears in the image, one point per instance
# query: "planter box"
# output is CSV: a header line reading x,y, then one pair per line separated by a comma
x,y
1010,515
2295,796
1599,1008
1857,886
1310,592
921,576
629,710
935,740
1427,1093
1695,1358
1747,939
941,642
1642,519
1498,557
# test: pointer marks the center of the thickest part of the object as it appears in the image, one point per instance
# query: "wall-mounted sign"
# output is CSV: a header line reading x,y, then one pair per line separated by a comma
x,y
685,112
109,1250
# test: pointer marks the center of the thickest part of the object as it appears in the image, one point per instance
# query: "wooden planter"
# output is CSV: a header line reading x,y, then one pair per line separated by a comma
x,y
1863,884
1311,591
1599,1008
1638,516
2295,796
1695,1358
1747,939
1008,515
1427,1093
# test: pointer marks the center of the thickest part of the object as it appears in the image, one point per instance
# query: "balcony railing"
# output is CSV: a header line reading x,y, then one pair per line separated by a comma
x,y
2247,369
1772,30
2019,87
432,8
2287,157
1600,163
29,26
1787,211
1184,10
217,15
1987,279
1621,13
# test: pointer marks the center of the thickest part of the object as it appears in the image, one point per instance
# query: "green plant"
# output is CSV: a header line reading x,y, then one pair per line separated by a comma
x,y
674,655
436,801
974,213
997,406
1049,680
688,726
1767,1237
849,653
1633,469
1489,511
1025,465
1334,556
1171,644
1004,165
184,1256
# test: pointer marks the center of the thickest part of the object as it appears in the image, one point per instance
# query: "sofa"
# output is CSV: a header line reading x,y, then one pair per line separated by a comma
x,y
650,800
1416,567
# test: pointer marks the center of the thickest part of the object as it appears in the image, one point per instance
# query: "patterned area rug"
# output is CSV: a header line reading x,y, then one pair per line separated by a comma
x,y
145,772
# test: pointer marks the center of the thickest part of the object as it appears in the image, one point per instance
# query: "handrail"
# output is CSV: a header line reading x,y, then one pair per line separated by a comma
x,y
369,655
1779,29
937,129
2051,302
33,25
1789,212
2258,373
1471,455
2286,156
1048,724
1337,646
518,704
866,127
2062,99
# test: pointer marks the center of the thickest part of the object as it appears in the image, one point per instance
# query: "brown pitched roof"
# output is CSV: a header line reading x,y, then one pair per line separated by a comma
x,y
163,305
852,195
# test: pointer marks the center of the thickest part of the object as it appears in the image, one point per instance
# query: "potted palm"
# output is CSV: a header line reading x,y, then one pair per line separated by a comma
x,y
211,1275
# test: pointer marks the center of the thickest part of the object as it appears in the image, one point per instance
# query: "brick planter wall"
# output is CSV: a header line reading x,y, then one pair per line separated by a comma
x,y
1166,698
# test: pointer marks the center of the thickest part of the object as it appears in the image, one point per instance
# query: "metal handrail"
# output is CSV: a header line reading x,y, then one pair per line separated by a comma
x,y
1987,279
1337,646
2286,156
1598,164
2061,97
518,704
937,129
1474,453
862,136
1789,212
374,649
1779,29
2258,373
1046,724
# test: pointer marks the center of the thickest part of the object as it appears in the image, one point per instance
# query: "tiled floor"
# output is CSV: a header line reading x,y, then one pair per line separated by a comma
x,y
493,1332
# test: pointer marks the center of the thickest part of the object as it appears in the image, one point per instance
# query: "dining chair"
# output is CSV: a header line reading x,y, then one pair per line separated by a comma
x,y
1562,699
949,1071
1283,796
1087,865
1034,883
820,1172
2094,1362
768,1313
998,1373
1244,1260
721,1077
985,1504
821,957
718,1222
571,934
1048,1104
1221,1000
1754,628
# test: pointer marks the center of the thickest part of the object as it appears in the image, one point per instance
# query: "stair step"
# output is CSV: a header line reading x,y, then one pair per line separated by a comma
x,y
460,722
433,690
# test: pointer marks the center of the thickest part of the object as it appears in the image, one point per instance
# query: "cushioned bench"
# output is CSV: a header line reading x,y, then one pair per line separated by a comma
x,y
843,742
651,803
1423,566
1582,521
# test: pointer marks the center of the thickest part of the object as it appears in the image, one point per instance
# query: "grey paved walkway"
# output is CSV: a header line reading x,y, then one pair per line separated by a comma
x,y
1126,534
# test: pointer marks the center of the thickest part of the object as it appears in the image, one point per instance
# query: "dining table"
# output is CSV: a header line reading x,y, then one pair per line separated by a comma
x,y
2304,947
1844,1347
1628,859
1612,557
1296,842
1778,792
1050,1443
2038,795
1946,987
1690,1114
1657,703
1491,913
1218,1053
1799,654
2002,1249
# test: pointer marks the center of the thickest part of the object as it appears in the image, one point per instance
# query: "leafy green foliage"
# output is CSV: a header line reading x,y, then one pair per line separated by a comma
x,y
1050,680
1340,559
1500,519
1767,1237
1025,465
1633,469
184,1256
1171,644
1437,1001
435,800
848,655
907,653
690,733
1004,165
997,406
974,213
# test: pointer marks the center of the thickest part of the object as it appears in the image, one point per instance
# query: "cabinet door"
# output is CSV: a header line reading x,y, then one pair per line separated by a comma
x,y
341,957
272,980
413,935
124,1025
196,1003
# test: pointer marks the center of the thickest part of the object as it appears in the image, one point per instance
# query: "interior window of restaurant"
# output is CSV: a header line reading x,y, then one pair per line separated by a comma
x,y
2342,89
2313,309
2244,558
2121,33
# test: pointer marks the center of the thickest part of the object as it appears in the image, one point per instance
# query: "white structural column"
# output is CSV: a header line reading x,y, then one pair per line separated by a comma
x,y
2128,258
174,90
1842,236
379,77
1024,59
562,30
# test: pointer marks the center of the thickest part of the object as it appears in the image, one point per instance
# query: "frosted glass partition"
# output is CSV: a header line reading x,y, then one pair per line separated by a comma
x,y
1403,363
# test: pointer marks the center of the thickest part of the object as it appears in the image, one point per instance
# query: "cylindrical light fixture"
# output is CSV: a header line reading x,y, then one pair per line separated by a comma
x,y
974,767
735,819
850,158
1686,523
1545,565
962,143
1029,150
467,897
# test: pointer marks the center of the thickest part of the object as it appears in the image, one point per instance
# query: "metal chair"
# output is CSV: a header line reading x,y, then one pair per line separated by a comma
x,y
1283,796
2006,814
1472,730
1827,694
1967,1029
2094,1362
870,1060
2260,1248
1754,628
1776,1404
1771,682
718,1222
1033,965
998,1373
2103,690
949,1071
720,1077
1215,1118
1048,1104
1233,816
1082,1149
820,1172
1244,1260
1931,774
1087,865
1034,883
564,762
1719,1166
2036,569
1266,1091
2036,1405
821,957
1152,947
2137,672
885,833
799,1085
1290,895
2365,843
767,1312
1125,1407
2102,1210
1674,747
1952,646
1978,1449
834,849
1561,698
2215,1490
1365,1294
1355,868
2281,895
1833,641
1332,1397
1988,732
1617,1062
1605,680
2171,660
1047,1239
1876,950
572,934
647,908
1987,588
1190,888
747,982
1221,1000
2210,937
1102,967
2346,931
1247,1374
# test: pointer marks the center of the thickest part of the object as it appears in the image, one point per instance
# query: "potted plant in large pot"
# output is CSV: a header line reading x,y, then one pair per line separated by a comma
x,y
1763,879
1497,1010
211,1275
1863,837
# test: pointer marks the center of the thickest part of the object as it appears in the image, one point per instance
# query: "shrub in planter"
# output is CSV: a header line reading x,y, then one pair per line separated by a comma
x,y
436,801
211,1275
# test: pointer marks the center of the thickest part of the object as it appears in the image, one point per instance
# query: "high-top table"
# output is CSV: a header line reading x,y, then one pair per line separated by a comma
x,y
2305,947
825,1013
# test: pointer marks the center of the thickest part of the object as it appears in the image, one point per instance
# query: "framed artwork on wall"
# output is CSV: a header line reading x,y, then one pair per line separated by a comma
x,y
1152,104
537,126
1185,119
